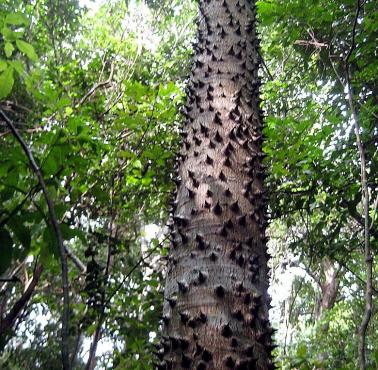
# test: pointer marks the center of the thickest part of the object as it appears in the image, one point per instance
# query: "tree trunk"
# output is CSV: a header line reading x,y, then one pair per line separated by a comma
x,y
216,303
329,287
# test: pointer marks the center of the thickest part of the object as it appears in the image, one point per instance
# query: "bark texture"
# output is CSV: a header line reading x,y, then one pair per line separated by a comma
x,y
329,287
216,304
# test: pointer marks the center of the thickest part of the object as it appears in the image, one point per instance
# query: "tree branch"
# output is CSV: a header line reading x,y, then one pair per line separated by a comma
x,y
358,8
307,269
358,218
367,247
58,234
342,264
75,259
267,71
7,323
97,86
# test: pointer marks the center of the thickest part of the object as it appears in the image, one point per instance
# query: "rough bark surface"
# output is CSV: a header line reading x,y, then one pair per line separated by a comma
x,y
329,287
215,312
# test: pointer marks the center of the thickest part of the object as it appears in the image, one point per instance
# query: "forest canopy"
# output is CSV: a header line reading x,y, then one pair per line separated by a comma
x,y
91,116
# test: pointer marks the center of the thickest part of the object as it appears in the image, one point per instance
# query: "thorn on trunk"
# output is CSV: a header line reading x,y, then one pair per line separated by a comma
x,y
219,291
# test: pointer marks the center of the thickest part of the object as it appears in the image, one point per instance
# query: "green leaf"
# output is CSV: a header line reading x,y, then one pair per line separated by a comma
x,y
51,243
3,65
27,49
50,166
302,351
266,12
8,34
375,356
6,250
21,232
70,233
6,83
16,19
18,66
8,48
68,111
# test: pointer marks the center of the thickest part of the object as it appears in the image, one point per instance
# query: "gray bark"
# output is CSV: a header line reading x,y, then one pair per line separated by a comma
x,y
216,304
329,287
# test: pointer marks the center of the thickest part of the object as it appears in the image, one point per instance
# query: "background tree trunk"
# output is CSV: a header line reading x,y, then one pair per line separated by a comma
x,y
329,287
216,303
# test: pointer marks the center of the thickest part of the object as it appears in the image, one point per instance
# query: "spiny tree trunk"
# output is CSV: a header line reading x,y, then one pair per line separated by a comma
x,y
216,303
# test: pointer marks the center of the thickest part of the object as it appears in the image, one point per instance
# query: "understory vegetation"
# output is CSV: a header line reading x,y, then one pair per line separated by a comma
x,y
90,120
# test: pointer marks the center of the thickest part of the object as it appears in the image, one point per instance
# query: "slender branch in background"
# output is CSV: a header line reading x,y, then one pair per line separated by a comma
x,y
58,234
7,104
342,264
93,349
76,347
141,260
308,271
75,259
291,308
12,279
139,147
365,194
359,219
97,335
367,248
91,363
352,46
7,323
28,130
316,44
267,71
374,213
365,198
98,86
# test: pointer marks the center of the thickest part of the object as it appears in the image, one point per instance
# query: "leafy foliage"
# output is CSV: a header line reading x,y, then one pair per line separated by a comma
x,y
315,167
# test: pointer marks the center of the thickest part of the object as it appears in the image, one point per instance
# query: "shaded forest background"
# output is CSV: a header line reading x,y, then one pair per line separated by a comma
x,y
95,91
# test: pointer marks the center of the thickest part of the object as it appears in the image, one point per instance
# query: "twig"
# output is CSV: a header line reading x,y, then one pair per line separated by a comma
x,y
9,320
291,308
97,86
17,208
58,234
359,6
75,259
12,279
359,219
373,216
308,271
267,71
75,351
28,130
142,259
16,105
317,44
29,195
97,335
15,271
342,264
